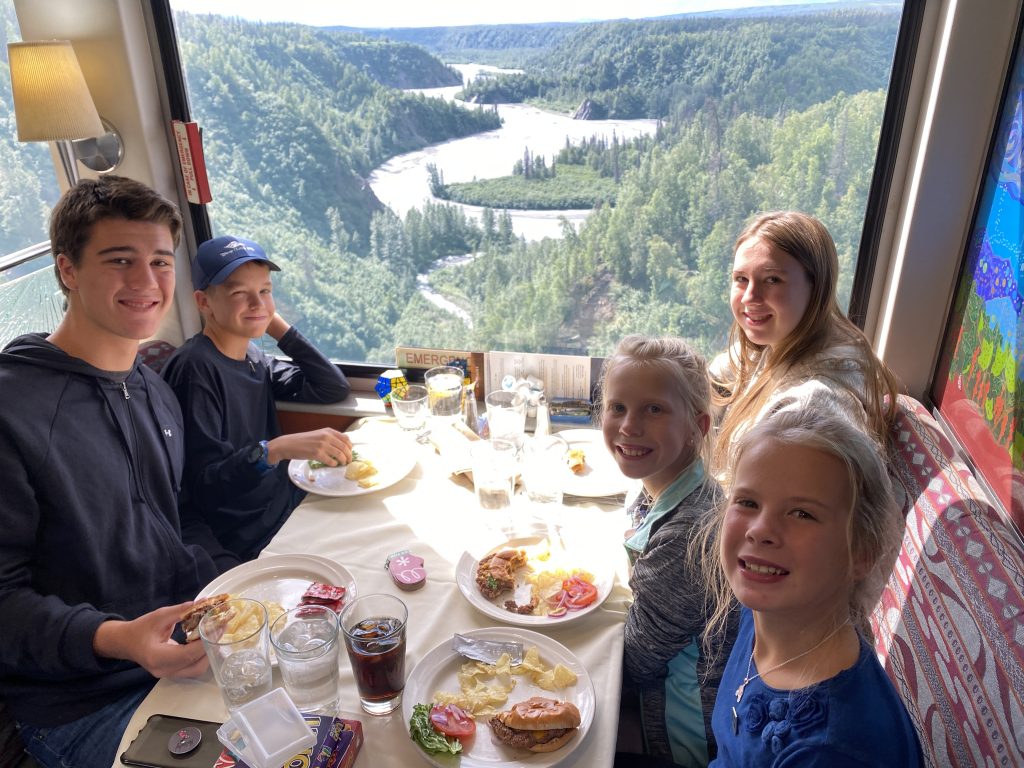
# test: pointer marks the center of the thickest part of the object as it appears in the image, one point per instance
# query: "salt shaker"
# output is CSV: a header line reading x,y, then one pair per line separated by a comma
x,y
543,423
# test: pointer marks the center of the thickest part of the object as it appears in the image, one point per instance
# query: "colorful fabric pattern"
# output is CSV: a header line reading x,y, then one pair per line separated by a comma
x,y
949,627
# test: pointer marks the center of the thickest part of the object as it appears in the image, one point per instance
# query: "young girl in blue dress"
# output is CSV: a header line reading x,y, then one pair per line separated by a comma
x,y
806,539
655,406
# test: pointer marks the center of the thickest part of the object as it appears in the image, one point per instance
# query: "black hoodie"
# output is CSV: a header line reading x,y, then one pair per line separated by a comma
x,y
90,463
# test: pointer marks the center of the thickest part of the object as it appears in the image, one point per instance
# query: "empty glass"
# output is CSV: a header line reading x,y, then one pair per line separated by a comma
x,y
411,408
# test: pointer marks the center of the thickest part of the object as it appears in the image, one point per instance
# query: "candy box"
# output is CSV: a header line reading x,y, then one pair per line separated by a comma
x,y
337,743
390,381
350,741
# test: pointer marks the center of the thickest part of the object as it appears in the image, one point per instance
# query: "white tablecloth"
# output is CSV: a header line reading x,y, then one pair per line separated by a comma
x,y
437,518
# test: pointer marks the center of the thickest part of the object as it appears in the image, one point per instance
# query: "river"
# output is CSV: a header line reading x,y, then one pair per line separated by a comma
x,y
402,183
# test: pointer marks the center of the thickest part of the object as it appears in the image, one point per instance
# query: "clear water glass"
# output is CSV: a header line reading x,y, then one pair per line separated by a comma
x,y
239,658
544,468
306,644
506,415
444,392
494,465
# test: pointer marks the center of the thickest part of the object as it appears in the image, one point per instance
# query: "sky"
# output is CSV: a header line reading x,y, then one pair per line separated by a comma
x,y
443,13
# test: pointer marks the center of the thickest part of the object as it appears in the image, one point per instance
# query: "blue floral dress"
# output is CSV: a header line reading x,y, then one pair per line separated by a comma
x,y
853,719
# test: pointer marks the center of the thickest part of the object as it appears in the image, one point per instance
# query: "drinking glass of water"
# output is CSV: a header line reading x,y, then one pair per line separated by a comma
x,y
444,392
305,641
506,415
236,641
494,476
544,468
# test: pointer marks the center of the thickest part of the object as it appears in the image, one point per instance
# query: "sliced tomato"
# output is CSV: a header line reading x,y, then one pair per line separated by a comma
x,y
452,721
581,593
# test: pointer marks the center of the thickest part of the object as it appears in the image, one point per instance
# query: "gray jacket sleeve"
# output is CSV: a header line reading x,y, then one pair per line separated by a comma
x,y
670,604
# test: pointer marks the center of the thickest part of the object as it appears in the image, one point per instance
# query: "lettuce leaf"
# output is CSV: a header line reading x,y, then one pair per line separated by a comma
x,y
423,732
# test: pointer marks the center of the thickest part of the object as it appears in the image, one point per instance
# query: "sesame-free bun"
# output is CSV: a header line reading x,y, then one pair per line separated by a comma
x,y
541,714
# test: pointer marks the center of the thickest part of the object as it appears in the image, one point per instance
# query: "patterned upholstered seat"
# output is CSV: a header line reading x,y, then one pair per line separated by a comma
x,y
155,353
950,624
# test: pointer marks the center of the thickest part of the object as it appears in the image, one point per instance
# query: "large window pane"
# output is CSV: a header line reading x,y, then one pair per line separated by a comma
x,y
327,144
28,185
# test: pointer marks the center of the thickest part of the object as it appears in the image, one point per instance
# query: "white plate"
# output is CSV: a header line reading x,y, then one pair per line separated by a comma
x,y
281,578
393,459
437,672
601,476
465,577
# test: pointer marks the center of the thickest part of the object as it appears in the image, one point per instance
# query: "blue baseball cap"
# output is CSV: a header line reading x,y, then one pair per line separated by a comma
x,y
216,259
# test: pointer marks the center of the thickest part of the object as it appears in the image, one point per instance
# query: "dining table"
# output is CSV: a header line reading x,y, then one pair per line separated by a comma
x,y
434,514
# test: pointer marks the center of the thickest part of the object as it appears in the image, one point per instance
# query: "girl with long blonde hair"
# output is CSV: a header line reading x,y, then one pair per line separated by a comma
x,y
789,337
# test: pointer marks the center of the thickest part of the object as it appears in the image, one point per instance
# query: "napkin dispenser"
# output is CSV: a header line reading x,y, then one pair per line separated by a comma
x,y
267,732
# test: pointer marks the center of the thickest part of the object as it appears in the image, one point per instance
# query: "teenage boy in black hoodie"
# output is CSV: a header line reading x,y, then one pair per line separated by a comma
x,y
93,569
236,471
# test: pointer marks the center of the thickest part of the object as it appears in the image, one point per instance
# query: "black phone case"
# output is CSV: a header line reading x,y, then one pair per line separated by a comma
x,y
149,748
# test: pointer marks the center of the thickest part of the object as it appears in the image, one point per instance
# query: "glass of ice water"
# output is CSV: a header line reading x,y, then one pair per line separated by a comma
x,y
444,388
305,641
495,468
236,640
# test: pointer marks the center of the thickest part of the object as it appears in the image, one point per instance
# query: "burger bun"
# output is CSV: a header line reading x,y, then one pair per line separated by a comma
x,y
541,714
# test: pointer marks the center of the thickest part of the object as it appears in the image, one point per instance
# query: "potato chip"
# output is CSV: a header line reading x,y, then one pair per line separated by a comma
x,y
484,688
554,679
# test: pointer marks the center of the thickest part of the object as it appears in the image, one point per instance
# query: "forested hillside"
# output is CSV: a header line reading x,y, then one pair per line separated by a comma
x,y
659,262
634,69
761,113
296,118
758,113
28,186
506,45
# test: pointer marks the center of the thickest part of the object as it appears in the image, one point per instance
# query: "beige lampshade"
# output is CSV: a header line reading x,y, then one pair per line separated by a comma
x,y
51,100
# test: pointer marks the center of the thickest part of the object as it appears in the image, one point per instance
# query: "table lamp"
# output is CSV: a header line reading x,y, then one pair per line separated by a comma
x,y
51,99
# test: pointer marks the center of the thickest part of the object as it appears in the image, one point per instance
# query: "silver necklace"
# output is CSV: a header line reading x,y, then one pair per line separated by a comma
x,y
749,677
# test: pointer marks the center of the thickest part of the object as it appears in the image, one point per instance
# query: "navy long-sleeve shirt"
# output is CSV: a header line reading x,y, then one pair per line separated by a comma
x,y
228,407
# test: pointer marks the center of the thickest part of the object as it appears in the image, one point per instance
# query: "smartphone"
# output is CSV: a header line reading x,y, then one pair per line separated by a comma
x,y
150,748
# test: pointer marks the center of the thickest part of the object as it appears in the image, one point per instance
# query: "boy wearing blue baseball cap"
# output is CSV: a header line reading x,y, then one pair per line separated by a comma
x,y
236,476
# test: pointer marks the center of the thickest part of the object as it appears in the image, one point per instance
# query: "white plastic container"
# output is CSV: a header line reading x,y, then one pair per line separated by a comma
x,y
267,732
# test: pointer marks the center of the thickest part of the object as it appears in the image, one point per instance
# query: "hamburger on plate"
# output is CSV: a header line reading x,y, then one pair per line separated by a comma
x,y
537,724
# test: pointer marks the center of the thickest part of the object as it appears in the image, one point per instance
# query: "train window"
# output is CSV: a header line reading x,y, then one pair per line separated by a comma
x,y
629,153
978,386
29,297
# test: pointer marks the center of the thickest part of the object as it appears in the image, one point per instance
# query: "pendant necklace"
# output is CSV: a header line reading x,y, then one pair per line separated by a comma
x,y
750,663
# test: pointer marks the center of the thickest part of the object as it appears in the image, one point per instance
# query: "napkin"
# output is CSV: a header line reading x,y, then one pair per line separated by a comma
x,y
452,442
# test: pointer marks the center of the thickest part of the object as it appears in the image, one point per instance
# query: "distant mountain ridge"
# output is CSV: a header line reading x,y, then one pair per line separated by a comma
x,y
454,42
